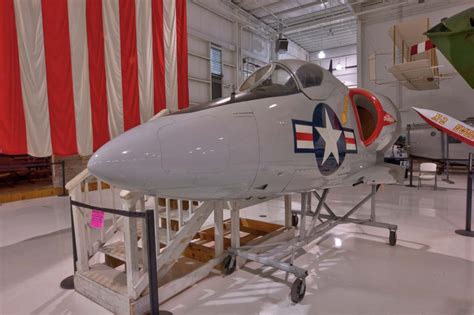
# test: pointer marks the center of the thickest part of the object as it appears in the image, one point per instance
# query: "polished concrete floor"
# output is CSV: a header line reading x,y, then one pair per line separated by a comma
x,y
352,270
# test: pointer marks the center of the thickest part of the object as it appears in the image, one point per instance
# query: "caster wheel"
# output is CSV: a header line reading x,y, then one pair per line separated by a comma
x,y
392,240
229,264
298,290
294,220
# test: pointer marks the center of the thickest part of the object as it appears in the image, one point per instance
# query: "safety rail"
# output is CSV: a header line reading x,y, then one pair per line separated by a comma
x,y
148,216
470,178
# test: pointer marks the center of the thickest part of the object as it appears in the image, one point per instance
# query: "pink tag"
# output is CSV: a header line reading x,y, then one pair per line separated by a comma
x,y
97,219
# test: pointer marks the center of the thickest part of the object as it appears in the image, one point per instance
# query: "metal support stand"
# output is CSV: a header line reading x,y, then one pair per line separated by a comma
x,y
280,254
409,155
470,178
288,220
411,174
372,203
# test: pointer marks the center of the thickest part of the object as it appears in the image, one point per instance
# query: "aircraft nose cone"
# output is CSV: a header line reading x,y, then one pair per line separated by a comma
x,y
129,160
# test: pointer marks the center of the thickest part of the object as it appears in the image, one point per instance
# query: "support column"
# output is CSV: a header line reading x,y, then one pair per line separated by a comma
x,y
235,228
288,213
304,209
372,203
130,240
218,229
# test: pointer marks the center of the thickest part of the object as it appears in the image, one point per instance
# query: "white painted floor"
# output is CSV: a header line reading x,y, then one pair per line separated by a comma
x,y
352,270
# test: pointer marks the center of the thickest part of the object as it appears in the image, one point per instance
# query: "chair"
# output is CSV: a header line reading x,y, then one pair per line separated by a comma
x,y
428,172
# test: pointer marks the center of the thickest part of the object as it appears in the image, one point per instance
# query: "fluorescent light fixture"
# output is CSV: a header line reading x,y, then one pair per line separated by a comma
x,y
338,66
321,54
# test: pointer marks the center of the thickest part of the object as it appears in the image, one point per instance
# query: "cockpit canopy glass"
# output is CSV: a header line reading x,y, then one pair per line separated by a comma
x,y
309,75
255,77
271,80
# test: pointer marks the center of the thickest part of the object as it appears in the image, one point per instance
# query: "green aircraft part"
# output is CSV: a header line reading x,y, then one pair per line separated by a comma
x,y
454,37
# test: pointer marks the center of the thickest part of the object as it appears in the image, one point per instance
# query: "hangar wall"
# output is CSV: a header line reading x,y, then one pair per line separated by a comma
x,y
346,56
454,97
294,52
214,23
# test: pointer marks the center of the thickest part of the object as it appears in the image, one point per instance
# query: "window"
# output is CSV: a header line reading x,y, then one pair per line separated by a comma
x,y
216,61
216,72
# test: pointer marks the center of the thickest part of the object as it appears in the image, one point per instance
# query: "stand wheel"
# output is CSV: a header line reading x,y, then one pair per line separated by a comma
x,y
392,240
229,265
298,290
294,220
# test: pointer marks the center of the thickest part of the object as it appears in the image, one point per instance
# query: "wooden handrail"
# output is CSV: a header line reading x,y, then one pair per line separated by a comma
x,y
78,179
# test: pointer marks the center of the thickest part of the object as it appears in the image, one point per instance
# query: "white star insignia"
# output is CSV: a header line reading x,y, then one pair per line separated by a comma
x,y
330,136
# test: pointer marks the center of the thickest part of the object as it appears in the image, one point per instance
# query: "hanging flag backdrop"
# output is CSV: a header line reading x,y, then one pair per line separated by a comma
x,y
76,73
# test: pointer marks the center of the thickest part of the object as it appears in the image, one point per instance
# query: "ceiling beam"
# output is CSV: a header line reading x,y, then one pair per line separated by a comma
x,y
313,16
323,23
291,10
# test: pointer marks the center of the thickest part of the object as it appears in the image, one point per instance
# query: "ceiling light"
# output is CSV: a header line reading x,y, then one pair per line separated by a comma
x,y
321,54
338,66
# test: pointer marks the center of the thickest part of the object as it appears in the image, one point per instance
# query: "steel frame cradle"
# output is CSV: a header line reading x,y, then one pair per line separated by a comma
x,y
319,225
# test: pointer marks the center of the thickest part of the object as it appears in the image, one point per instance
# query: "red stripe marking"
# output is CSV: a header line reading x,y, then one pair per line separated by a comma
x,y
97,79
446,130
304,136
128,51
12,116
350,140
59,76
159,97
429,45
182,47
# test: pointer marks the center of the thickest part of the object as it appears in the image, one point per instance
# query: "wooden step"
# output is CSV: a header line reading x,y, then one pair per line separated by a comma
x,y
107,277
116,251
108,287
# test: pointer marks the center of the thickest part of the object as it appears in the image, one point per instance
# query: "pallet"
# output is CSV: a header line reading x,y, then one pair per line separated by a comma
x,y
252,232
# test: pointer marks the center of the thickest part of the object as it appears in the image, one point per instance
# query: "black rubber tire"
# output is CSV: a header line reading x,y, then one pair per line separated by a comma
x,y
392,240
298,290
229,265
294,220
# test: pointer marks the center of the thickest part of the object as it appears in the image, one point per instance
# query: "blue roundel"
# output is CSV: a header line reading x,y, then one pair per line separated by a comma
x,y
329,139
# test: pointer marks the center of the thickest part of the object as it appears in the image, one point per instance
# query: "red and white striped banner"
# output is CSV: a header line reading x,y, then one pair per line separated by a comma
x,y
421,47
76,73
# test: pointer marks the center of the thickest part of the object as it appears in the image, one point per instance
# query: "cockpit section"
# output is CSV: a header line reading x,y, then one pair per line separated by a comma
x,y
269,81
280,78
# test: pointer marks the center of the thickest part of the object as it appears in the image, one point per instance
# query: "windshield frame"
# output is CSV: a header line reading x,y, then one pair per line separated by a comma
x,y
263,78
272,65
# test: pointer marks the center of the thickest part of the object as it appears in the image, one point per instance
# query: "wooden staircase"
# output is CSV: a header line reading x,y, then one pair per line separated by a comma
x,y
112,262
